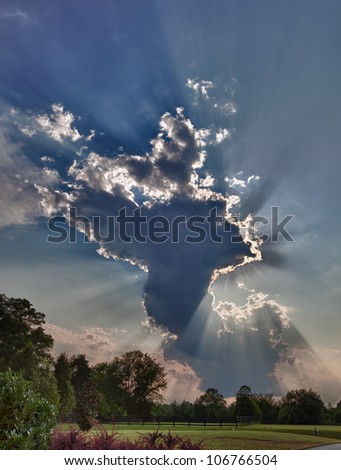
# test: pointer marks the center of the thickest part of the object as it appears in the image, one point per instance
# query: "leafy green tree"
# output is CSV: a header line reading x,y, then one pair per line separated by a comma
x,y
23,343
25,347
210,405
63,375
108,386
301,407
337,416
269,409
244,391
138,380
186,410
245,405
26,419
87,396
44,382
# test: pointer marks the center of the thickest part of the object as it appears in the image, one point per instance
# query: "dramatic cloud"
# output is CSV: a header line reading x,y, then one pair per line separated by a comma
x,y
169,186
171,181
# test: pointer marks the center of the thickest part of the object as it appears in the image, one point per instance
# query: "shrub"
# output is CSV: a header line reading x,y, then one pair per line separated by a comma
x,y
72,439
102,440
26,419
158,441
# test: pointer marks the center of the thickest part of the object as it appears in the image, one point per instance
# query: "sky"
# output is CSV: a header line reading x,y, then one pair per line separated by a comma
x,y
176,109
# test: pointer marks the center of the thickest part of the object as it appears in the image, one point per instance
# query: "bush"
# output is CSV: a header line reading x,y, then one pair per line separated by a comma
x,y
72,439
158,441
102,440
26,419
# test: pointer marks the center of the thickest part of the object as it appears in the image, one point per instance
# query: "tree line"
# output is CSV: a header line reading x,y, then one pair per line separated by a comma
x,y
131,384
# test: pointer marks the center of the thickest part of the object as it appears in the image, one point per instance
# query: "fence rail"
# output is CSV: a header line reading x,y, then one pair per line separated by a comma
x,y
174,421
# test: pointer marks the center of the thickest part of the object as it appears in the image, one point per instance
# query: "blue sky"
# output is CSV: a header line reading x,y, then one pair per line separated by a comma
x,y
85,87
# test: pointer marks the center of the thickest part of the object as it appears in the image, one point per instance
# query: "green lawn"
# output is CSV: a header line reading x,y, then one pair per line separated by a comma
x,y
257,437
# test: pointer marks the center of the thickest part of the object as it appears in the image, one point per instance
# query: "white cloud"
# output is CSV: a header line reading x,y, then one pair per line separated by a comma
x,y
26,130
221,135
182,381
259,311
98,344
47,159
91,135
200,87
219,98
58,125
177,151
19,199
228,107
304,368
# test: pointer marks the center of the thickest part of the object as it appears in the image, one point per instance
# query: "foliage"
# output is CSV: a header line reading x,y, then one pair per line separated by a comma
x,y
72,439
107,383
26,419
87,396
245,404
158,441
63,374
23,342
210,405
25,347
267,407
301,407
244,390
133,381
337,416
44,382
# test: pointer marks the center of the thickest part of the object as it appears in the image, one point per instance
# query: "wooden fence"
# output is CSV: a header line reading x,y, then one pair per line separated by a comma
x,y
173,421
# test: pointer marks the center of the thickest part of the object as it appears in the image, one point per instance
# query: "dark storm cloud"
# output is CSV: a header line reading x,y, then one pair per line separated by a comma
x,y
170,181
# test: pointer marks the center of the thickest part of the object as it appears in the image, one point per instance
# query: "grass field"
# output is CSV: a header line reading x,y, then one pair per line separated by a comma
x,y
254,437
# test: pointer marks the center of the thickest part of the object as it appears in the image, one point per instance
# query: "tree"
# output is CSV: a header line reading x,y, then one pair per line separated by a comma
x,y
25,347
86,393
63,375
108,386
268,407
301,407
245,405
44,382
244,391
23,343
138,380
26,419
337,415
210,405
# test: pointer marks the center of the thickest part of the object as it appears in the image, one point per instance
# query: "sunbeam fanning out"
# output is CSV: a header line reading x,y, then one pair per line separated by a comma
x,y
169,180
198,238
